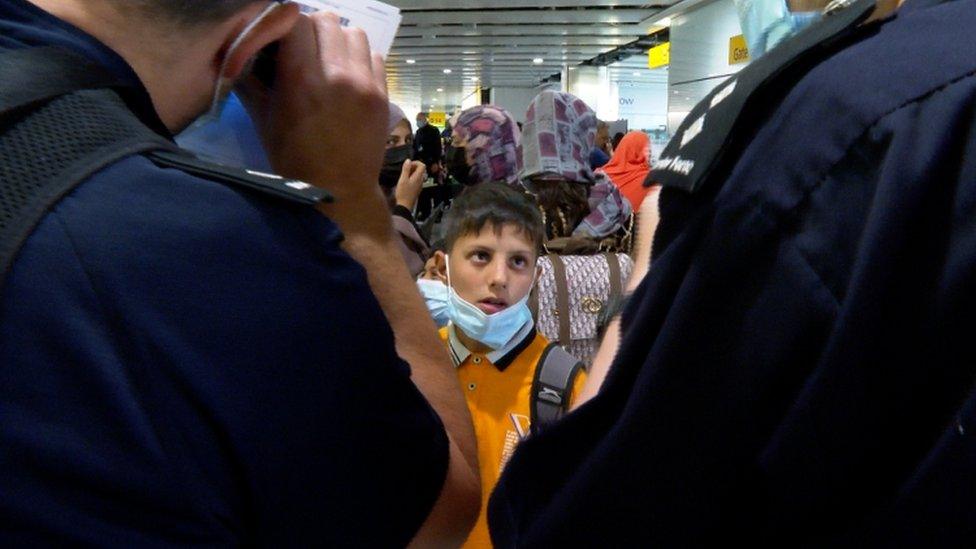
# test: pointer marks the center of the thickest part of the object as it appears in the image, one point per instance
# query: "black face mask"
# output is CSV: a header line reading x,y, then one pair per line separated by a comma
x,y
393,161
457,164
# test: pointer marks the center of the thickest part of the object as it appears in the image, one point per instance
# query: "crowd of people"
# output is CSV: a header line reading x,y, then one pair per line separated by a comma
x,y
277,349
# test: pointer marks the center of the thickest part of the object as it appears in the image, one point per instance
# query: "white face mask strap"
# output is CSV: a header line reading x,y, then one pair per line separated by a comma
x,y
224,82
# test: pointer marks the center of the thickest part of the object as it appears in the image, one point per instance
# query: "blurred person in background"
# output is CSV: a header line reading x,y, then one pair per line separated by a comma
x,y
560,129
427,144
402,180
617,137
602,150
629,167
485,147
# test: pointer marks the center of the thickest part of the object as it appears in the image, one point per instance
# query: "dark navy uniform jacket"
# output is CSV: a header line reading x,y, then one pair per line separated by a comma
x,y
798,367
183,363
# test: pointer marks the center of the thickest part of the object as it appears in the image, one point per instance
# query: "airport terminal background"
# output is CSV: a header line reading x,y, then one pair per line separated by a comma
x,y
641,67
805,437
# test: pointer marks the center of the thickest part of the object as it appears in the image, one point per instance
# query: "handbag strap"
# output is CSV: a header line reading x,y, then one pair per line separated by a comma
x,y
534,302
562,298
616,276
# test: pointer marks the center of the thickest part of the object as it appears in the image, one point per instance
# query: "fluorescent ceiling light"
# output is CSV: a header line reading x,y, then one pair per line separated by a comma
x,y
411,61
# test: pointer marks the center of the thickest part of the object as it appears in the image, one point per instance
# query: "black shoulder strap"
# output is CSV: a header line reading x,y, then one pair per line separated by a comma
x,y
36,75
552,386
62,120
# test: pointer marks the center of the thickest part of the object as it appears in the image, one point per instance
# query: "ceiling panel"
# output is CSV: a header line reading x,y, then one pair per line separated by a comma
x,y
512,43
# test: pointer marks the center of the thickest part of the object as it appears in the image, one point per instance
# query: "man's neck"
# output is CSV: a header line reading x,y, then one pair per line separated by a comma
x,y
176,72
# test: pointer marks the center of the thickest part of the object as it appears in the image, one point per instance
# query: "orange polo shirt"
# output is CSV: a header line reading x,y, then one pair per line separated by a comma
x,y
498,388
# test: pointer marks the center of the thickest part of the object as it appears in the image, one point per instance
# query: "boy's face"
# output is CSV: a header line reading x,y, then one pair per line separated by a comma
x,y
492,270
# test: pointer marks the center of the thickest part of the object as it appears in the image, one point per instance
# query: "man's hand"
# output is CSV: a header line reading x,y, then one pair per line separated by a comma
x,y
325,120
325,123
411,183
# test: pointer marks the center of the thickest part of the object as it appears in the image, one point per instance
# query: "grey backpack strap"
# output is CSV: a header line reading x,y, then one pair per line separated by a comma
x,y
552,386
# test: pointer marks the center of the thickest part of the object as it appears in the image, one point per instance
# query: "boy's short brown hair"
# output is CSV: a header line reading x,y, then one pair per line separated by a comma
x,y
493,204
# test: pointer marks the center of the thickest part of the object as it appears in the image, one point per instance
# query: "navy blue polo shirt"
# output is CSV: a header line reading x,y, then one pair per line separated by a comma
x,y
797,369
185,363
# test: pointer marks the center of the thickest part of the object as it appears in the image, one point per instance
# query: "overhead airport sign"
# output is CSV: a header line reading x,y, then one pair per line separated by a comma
x,y
659,56
738,50
437,119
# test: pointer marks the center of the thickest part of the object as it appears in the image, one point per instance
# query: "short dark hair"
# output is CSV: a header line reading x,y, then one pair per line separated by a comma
x,y
189,11
494,204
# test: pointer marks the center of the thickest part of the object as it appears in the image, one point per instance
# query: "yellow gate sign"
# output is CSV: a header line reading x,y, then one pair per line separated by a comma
x,y
738,50
437,119
659,56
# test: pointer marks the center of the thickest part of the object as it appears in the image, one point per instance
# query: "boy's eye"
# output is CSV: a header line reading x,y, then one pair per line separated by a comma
x,y
481,257
519,262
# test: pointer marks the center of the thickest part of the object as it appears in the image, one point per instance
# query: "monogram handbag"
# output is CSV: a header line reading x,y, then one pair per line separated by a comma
x,y
573,295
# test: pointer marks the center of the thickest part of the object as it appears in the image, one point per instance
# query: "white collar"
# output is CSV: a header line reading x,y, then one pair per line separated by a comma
x,y
501,358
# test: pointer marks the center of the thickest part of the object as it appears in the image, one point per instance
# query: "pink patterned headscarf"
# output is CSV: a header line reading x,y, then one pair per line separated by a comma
x,y
559,133
492,143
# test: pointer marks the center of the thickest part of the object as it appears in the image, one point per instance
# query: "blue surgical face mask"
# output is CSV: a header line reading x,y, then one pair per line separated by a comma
x,y
435,294
766,23
493,330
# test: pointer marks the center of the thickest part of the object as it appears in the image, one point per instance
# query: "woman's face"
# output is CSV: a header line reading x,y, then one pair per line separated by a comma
x,y
400,136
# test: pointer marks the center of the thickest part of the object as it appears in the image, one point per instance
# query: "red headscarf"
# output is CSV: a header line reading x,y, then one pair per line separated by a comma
x,y
629,167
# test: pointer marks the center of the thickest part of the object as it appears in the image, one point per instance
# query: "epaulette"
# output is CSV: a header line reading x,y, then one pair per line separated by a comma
x,y
274,185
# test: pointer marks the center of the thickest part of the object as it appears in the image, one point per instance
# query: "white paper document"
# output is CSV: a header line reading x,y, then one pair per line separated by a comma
x,y
380,21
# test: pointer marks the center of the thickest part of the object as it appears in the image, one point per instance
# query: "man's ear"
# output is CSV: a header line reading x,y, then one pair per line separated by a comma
x,y
275,26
